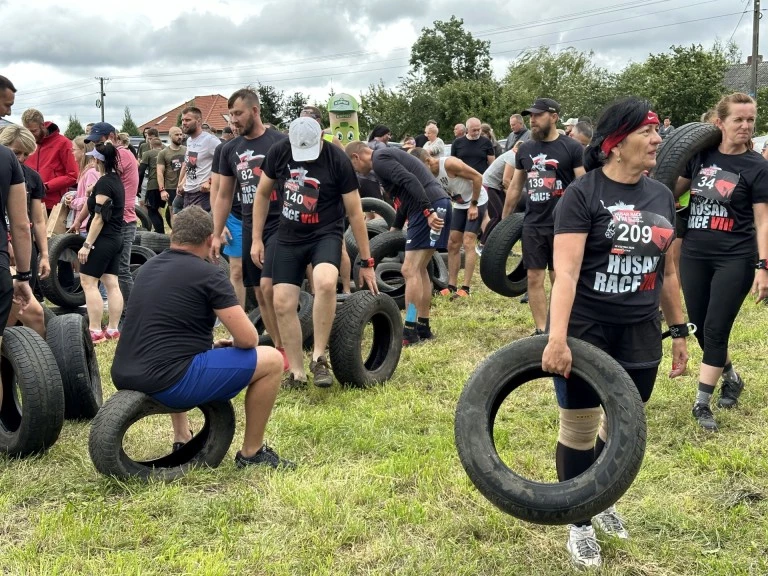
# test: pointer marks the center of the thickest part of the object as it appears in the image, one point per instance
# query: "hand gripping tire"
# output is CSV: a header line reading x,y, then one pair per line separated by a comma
x,y
142,219
59,245
550,503
32,411
679,147
350,364
153,240
381,208
124,408
70,342
493,263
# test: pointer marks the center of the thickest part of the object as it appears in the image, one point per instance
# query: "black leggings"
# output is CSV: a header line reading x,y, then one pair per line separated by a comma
x,y
714,290
495,208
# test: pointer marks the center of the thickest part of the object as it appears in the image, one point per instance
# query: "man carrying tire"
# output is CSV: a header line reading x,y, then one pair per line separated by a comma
x,y
319,186
420,196
166,347
545,166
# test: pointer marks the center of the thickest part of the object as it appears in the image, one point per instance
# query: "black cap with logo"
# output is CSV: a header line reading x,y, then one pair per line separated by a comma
x,y
542,105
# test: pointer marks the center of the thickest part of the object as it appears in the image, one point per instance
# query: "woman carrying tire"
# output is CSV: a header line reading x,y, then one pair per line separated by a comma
x,y
612,228
729,194
100,255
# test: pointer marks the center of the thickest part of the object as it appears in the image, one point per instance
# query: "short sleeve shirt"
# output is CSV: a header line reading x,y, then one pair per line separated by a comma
x,y
10,175
172,161
162,335
199,160
109,185
473,153
35,187
723,189
312,192
629,228
149,159
242,159
495,173
549,170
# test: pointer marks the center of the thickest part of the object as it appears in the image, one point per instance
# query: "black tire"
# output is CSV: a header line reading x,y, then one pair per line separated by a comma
x,y
32,411
51,286
140,255
438,272
250,299
550,503
70,342
153,240
48,314
386,245
374,228
142,219
381,208
350,366
306,303
496,253
390,281
679,147
61,311
105,441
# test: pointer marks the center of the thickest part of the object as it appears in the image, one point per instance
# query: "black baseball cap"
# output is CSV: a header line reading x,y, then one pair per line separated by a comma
x,y
542,105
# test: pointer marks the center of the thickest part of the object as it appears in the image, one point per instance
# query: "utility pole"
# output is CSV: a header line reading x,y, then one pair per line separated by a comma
x,y
100,101
755,48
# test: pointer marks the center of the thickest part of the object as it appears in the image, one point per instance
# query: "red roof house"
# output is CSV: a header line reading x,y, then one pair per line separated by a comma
x,y
214,109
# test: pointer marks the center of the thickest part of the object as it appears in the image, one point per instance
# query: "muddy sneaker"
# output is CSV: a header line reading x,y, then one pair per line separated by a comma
x,y
321,372
460,293
730,392
611,524
704,416
264,457
410,337
583,546
290,382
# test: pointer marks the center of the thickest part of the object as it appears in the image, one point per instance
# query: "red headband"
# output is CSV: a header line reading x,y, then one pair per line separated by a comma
x,y
618,136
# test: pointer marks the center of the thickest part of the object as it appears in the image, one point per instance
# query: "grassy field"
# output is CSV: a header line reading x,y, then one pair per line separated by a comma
x,y
380,490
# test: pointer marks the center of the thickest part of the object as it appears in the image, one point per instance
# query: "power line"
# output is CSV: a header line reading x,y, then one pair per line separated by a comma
x,y
739,22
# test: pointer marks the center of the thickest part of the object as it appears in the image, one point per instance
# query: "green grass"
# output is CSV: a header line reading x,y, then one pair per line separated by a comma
x,y
380,490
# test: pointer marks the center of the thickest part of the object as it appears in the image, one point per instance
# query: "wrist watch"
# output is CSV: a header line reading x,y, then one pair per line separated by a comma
x,y
367,263
473,202
23,276
428,211
87,246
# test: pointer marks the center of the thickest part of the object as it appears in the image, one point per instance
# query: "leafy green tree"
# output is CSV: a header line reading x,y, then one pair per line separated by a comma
x,y
271,104
129,125
761,126
447,52
380,105
462,99
293,106
74,128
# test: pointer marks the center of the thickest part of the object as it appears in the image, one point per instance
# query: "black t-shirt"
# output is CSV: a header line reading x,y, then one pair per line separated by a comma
x,y
629,228
10,174
723,189
237,209
242,159
420,140
406,177
35,187
111,186
169,320
312,203
473,153
549,170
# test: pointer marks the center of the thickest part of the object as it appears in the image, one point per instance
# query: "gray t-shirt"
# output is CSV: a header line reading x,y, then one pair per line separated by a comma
x,y
199,160
492,178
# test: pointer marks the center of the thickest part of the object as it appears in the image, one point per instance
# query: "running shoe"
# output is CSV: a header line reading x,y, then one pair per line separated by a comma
x,y
460,293
446,292
424,333
321,372
266,456
410,337
611,524
704,416
112,334
98,337
730,392
290,382
524,299
583,547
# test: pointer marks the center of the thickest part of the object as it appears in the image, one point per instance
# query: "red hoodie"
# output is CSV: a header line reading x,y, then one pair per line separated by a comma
x,y
55,163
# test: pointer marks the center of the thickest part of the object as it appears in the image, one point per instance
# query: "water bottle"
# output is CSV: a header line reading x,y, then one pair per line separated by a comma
x,y
434,235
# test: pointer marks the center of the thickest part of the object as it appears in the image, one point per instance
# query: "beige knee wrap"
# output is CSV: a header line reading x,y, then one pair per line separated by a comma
x,y
579,427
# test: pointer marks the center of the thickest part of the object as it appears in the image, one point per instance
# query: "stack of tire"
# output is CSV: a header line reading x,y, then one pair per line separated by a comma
x,y
45,382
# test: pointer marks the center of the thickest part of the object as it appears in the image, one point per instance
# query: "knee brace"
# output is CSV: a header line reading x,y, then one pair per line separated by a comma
x,y
579,427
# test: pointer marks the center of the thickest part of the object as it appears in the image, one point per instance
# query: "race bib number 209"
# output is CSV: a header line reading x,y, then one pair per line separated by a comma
x,y
640,233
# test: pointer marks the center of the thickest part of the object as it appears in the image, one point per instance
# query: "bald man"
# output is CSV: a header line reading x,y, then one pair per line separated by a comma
x,y
474,149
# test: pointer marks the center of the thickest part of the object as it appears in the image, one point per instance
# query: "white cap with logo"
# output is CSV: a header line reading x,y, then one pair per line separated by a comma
x,y
305,135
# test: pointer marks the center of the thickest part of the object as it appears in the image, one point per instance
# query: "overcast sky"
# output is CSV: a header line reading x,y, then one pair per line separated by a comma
x,y
159,54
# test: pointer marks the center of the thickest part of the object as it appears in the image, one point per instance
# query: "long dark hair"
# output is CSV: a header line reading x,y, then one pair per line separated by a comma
x,y
378,131
111,160
621,116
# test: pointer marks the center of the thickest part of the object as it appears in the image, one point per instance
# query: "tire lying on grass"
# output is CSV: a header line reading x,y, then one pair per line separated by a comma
x,y
32,410
353,366
67,246
70,342
105,442
496,253
550,503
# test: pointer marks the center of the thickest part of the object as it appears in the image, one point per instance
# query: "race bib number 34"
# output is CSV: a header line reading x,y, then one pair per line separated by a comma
x,y
640,233
715,184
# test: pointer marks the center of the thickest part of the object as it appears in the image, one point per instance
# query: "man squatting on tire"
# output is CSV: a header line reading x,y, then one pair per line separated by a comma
x,y
612,228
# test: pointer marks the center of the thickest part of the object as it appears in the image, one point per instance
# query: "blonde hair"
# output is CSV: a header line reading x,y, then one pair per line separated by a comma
x,y
487,130
723,107
84,161
32,116
11,134
124,138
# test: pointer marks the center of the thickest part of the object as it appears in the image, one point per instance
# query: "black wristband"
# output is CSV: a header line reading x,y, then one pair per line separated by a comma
x,y
23,276
762,265
679,330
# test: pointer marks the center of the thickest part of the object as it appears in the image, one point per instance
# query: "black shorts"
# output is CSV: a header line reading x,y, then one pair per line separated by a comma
x,y
417,237
460,221
290,262
153,199
6,295
538,244
104,258
252,274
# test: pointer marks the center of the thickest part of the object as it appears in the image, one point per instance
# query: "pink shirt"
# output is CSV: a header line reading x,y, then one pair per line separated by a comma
x,y
129,175
88,178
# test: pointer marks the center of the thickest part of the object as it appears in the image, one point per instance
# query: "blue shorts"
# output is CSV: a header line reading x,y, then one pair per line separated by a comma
x,y
218,374
235,247
418,228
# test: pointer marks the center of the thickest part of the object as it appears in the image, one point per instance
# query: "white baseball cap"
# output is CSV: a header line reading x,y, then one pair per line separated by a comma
x,y
305,135
571,122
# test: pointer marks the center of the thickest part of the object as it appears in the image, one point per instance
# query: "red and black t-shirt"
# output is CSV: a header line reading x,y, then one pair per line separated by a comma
x,y
242,159
549,170
312,205
629,228
723,189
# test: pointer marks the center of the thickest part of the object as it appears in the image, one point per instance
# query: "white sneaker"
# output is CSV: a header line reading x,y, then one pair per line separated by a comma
x,y
583,546
611,524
